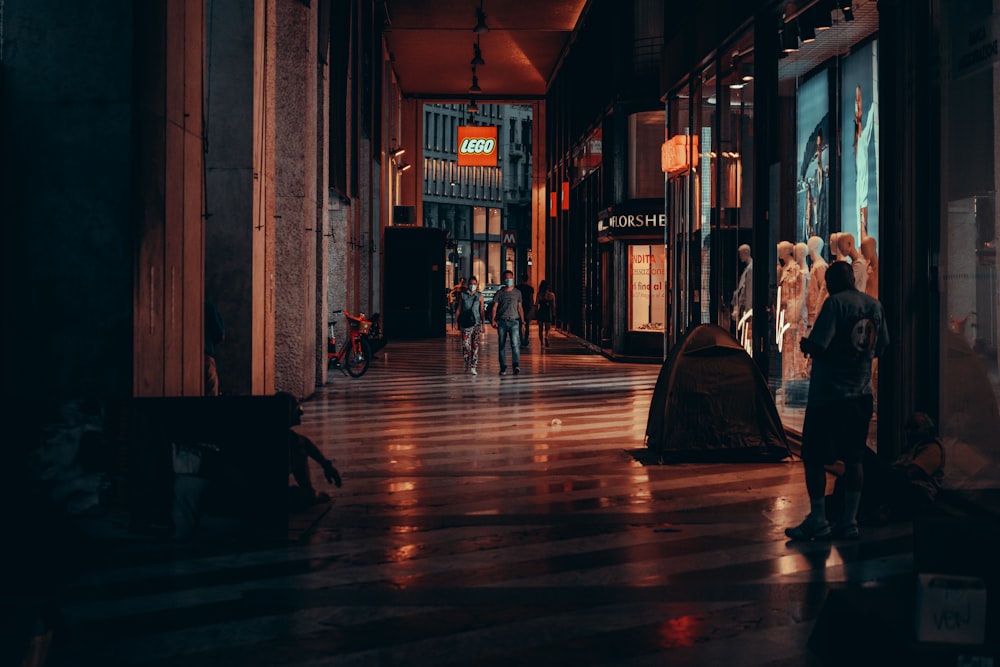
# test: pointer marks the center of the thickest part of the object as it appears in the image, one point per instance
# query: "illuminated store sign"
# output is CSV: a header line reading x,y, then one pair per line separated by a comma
x,y
676,153
636,223
477,146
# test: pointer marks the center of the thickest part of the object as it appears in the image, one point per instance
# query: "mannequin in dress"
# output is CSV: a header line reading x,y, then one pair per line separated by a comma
x,y
791,286
743,296
801,253
858,263
869,252
816,291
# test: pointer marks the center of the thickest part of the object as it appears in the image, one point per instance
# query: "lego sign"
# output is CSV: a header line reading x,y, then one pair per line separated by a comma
x,y
477,145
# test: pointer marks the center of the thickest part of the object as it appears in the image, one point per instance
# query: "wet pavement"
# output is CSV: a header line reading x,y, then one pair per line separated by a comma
x,y
487,520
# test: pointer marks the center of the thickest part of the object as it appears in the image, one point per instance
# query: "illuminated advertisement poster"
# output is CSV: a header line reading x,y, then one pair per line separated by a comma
x,y
859,148
477,146
647,281
812,119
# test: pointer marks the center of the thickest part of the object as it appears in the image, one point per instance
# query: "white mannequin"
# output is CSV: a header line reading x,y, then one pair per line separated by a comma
x,y
860,265
816,292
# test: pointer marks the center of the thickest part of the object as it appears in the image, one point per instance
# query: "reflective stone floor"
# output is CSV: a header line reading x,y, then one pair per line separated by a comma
x,y
488,520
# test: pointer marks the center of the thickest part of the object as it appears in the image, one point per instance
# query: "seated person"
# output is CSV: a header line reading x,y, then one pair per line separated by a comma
x,y
300,450
907,487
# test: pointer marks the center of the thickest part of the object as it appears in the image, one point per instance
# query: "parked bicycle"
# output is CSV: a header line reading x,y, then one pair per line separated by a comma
x,y
355,354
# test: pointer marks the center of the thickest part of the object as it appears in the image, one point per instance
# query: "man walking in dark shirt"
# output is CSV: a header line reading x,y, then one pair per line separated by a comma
x,y
506,318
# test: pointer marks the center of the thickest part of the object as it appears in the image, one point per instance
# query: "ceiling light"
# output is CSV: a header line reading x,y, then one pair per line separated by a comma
x,y
477,55
848,15
473,107
846,5
789,39
822,17
404,167
481,26
806,32
474,88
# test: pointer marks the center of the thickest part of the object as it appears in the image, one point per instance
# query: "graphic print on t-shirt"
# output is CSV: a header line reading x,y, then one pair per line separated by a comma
x,y
863,336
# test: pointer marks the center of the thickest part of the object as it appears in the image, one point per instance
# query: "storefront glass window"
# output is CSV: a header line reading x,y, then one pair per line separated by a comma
x,y
647,285
679,156
970,293
704,202
813,224
645,133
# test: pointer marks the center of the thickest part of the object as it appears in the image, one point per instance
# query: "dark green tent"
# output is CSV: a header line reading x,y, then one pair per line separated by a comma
x,y
711,403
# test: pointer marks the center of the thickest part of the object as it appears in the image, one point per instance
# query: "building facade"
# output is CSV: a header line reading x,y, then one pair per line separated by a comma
x,y
486,210
794,135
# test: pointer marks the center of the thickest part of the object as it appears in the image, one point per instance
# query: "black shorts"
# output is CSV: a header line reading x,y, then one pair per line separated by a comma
x,y
837,431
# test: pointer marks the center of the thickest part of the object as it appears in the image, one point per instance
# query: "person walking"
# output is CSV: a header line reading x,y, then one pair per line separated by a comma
x,y
215,333
849,332
453,297
544,311
527,299
469,318
507,315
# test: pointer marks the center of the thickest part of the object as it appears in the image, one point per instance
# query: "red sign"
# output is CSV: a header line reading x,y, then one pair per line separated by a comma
x,y
508,237
675,153
477,145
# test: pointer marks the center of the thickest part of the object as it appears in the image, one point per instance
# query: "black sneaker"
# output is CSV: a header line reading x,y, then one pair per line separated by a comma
x,y
516,370
503,371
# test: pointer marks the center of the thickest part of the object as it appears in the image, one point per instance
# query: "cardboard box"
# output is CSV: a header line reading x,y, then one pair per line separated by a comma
x,y
950,609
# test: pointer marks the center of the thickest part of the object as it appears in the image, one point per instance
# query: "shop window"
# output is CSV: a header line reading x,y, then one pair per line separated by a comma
x,y
969,411
829,109
647,273
645,135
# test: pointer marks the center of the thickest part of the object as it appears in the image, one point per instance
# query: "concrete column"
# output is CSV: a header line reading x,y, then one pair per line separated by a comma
x,y
323,195
239,105
296,201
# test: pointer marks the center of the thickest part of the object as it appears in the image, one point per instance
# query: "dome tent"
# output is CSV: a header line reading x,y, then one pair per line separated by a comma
x,y
711,403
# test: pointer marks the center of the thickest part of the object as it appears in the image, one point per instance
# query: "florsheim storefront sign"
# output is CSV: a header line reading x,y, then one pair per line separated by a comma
x,y
477,146
631,223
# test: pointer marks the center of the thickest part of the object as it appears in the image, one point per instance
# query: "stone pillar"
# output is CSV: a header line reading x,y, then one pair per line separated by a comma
x,y
296,201
239,176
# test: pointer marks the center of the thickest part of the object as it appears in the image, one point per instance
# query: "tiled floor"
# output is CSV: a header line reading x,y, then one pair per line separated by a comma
x,y
491,521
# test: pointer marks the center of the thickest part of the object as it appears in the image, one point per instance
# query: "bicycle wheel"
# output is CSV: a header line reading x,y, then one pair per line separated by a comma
x,y
357,360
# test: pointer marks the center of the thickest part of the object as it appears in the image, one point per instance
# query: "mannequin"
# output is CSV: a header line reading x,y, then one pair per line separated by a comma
x,y
791,283
801,252
858,263
743,297
816,291
870,254
835,255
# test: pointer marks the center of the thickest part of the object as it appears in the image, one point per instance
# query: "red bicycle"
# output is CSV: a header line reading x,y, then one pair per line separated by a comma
x,y
355,354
